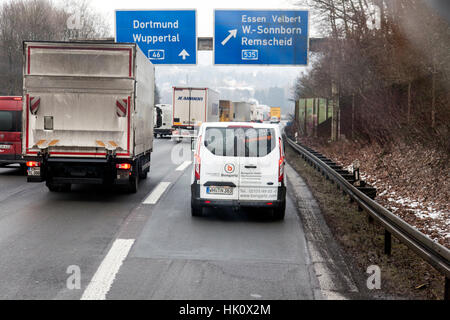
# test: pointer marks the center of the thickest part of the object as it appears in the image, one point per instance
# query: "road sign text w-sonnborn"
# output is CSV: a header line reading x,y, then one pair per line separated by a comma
x,y
165,36
267,37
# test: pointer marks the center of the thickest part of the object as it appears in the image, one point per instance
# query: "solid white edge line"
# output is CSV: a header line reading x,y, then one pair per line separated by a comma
x,y
156,193
183,166
105,275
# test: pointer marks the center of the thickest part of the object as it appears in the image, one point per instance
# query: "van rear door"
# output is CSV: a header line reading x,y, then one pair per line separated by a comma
x,y
10,134
258,179
219,165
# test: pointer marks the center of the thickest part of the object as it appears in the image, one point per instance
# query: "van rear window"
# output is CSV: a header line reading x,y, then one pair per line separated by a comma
x,y
240,141
10,121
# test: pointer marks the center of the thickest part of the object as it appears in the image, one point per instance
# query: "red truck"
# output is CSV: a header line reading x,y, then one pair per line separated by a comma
x,y
11,131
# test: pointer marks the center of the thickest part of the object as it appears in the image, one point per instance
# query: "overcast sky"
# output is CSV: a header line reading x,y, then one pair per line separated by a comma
x,y
226,79
219,77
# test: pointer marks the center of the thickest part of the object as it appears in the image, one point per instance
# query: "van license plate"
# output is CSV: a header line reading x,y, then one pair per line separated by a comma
x,y
219,190
5,146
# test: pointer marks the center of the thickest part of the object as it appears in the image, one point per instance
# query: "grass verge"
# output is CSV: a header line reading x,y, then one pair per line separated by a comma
x,y
403,274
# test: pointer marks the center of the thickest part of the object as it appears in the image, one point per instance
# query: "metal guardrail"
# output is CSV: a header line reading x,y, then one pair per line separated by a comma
x,y
434,253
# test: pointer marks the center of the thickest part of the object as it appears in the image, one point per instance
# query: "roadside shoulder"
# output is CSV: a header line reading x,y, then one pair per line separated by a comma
x,y
329,266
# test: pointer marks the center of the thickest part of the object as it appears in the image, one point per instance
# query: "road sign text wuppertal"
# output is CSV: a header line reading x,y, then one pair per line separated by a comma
x,y
166,37
278,37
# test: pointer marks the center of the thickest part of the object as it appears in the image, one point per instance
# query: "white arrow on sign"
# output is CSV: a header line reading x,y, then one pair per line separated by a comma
x,y
232,34
184,54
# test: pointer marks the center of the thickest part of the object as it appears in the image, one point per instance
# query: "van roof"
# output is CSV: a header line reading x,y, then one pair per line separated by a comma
x,y
240,124
10,103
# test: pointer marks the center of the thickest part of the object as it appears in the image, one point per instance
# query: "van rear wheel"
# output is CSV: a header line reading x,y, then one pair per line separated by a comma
x,y
279,213
196,211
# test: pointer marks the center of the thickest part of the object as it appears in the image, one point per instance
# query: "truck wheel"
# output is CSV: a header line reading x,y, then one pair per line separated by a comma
x,y
196,211
143,175
279,213
134,183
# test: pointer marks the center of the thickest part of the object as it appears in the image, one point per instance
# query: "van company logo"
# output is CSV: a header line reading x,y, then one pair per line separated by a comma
x,y
229,168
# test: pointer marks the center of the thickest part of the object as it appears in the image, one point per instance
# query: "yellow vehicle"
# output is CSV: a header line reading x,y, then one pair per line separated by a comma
x,y
226,111
275,112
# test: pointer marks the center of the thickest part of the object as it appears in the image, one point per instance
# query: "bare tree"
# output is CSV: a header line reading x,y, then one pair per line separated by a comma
x,y
39,20
392,58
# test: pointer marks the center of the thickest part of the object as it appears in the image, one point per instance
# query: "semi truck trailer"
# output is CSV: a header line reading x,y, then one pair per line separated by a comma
x,y
191,108
87,113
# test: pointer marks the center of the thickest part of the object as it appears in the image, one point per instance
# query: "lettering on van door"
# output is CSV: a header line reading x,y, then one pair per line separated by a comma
x,y
258,193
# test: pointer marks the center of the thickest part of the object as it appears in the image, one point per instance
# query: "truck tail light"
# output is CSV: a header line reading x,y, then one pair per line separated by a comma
x,y
198,159
123,166
281,163
32,164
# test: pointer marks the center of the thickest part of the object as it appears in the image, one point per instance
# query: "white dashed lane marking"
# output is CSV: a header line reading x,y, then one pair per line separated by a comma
x,y
184,165
157,193
104,277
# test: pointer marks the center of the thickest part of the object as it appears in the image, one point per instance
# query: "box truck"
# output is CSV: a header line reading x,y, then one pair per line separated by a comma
x,y
87,113
163,120
242,111
192,107
226,110
275,114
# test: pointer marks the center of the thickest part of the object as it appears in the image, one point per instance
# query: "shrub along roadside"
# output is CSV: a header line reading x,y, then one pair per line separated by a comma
x,y
403,274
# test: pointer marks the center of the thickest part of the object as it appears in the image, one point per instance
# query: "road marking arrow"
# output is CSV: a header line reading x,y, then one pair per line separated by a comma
x,y
184,54
232,34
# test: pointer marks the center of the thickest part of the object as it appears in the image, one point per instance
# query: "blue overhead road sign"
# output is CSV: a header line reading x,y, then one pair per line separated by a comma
x,y
268,37
166,37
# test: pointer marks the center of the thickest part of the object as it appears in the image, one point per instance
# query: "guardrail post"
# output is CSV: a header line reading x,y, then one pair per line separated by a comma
x,y
387,242
447,289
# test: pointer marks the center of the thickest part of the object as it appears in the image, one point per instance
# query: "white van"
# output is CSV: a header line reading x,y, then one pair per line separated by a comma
x,y
239,164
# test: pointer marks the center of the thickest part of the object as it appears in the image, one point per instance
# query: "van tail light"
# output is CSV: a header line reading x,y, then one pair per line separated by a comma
x,y
198,159
281,162
33,164
123,166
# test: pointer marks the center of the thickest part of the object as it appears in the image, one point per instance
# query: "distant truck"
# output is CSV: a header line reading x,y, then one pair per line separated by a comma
x,y
163,120
226,110
261,113
11,131
191,108
275,112
242,111
87,113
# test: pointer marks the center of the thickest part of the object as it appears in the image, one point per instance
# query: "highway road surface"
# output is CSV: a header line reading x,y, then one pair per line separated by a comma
x,y
102,243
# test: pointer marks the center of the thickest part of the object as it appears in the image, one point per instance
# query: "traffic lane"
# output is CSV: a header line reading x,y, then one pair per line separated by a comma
x,y
43,233
225,255
12,181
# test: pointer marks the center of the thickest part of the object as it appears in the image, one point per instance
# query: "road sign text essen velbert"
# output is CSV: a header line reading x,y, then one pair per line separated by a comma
x,y
278,37
166,37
